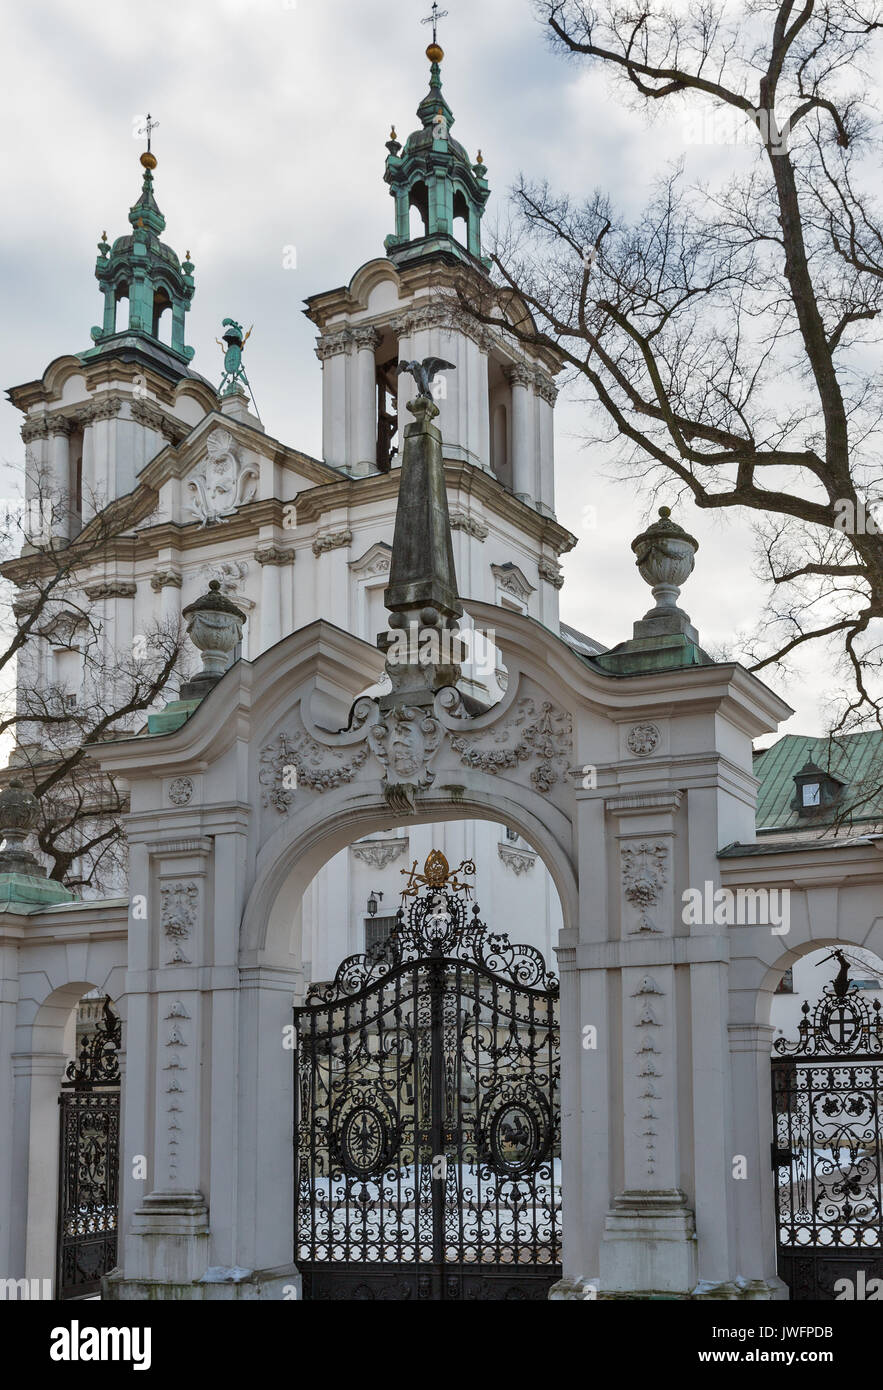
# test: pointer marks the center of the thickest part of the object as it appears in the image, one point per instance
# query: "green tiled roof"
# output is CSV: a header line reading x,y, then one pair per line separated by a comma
x,y
856,759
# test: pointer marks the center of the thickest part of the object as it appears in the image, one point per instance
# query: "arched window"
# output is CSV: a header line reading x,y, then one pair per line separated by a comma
x,y
121,292
419,203
161,302
460,228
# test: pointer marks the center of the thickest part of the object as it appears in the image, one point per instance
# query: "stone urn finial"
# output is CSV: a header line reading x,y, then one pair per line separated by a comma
x,y
665,555
19,810
214,626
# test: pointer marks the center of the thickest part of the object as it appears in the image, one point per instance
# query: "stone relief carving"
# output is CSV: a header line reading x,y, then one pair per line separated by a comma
x,y
643,739
231,575
165,578
180,790
175,1039
510,578
650,1072
121,588
179,905
379,853
548,570
225,483
643,877
376,560
274,555
145,414
332,540
545,388
297,760
518,860
403,741
461,522
544,734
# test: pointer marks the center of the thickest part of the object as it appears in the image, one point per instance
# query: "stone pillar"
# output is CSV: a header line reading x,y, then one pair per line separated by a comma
x,y
167,582
752,1198
546,396
9,993
271,558
99,455
332,572
264,1146
39,1076
648,1242
363,401
38,468
523,466
58,503
169,1022
332,351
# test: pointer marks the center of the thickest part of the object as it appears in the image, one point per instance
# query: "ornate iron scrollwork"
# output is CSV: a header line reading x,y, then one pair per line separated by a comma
x,y
827,1091
89,1161
98,1063
428,1144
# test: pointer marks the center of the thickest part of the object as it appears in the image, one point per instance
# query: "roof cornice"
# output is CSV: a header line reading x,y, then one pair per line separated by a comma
x,y
462,478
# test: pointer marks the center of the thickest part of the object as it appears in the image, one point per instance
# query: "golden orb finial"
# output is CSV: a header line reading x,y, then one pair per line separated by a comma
x,y
148,160
435,53
392,133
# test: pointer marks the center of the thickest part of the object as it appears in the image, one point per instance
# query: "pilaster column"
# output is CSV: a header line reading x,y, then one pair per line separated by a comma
x,y
167,582
523,470
546,396
648,1243
332,351
9,993
752,1202
169,1240
271,558
99,452
35,437
363,405
59,502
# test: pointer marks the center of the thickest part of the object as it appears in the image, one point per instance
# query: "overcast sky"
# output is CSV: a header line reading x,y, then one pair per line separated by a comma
x,y
273,116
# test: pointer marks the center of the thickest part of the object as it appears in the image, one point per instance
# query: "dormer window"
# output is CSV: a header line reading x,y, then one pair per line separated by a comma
x,y
815,790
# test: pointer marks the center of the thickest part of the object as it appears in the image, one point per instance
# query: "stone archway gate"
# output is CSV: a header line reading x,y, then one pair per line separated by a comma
x,y
627,787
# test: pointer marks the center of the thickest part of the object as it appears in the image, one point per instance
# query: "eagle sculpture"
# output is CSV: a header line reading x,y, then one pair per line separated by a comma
x,y
423,373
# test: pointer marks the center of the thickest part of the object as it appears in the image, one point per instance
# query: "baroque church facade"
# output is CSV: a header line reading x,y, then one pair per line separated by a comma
x,y
292,539
465,1126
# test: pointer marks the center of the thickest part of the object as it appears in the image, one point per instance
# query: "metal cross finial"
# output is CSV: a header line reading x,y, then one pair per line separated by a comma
x,y
149,125
433,19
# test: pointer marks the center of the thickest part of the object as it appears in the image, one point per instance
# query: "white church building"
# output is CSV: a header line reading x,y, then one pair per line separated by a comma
x,y
463,1128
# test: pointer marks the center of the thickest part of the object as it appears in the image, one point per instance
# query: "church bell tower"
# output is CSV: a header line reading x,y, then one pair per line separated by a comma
x,y
496,407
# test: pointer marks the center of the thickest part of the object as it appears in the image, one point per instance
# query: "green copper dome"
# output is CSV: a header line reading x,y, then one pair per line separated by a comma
x,y
434,174
146,273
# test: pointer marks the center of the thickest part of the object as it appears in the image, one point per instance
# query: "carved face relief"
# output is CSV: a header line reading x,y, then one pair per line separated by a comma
x,y
403,742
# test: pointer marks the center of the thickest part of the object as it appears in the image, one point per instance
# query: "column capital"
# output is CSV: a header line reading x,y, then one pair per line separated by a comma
x,y
274,555
520,375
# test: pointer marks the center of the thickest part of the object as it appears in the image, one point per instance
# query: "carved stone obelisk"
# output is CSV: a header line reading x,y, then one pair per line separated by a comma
x,y
422,644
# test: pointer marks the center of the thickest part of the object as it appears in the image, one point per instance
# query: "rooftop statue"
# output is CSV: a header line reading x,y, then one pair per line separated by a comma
x,y
423,373
234,372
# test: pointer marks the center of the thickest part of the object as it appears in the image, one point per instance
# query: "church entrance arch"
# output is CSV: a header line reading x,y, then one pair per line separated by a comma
x,y
427,1111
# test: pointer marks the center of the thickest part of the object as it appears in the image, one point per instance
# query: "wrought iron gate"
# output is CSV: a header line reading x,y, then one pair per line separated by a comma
x,y
827,1092
427,1112
88,1166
